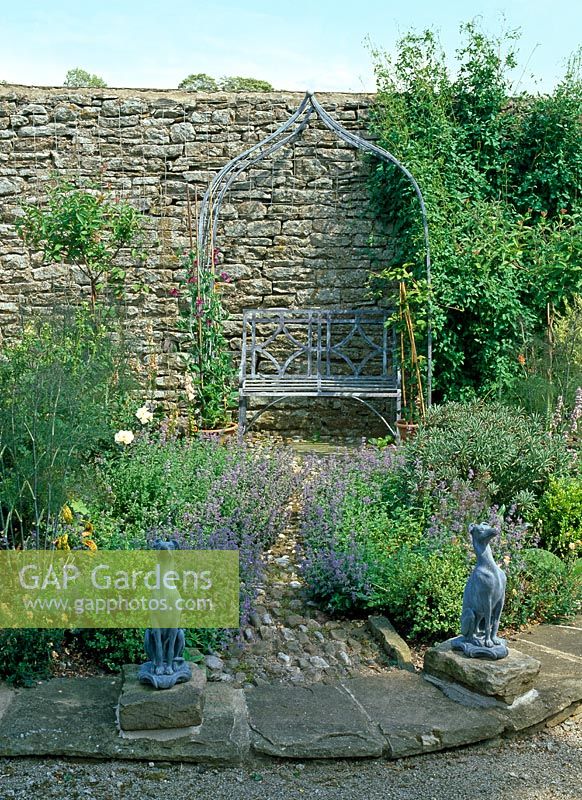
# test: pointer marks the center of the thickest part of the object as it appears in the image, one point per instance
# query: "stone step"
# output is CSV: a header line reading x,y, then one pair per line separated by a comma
x,y
75,717
313,722
394,715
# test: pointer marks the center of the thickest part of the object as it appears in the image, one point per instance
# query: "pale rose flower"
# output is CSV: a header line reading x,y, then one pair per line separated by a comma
x,y
144,415
124,437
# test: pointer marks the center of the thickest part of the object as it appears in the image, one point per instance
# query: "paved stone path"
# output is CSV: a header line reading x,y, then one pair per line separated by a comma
x,y
393,715
544,766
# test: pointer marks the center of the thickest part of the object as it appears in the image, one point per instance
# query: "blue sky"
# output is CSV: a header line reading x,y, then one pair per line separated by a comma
x,y
318,45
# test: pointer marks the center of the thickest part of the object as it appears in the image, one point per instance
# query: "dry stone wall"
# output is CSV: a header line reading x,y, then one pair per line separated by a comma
x,y
295,231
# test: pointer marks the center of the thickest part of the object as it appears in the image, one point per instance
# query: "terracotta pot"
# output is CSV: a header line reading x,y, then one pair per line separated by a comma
x,y
224,434
406,430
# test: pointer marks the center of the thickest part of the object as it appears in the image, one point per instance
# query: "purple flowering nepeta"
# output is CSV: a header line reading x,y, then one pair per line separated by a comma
x,y
239,499
381,530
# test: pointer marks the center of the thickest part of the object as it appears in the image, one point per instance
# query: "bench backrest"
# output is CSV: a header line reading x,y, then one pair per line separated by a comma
x,y
317,343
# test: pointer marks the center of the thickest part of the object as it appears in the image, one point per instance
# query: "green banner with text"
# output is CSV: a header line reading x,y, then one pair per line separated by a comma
x,y
119,589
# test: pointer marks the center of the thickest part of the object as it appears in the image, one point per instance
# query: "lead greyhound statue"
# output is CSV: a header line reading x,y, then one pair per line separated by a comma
x,y
164,647
483,600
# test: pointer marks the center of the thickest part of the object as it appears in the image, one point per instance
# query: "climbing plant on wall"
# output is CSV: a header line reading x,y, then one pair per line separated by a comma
x,y
500,172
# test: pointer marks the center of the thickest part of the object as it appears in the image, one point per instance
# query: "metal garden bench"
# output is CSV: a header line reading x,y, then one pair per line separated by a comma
x,y
318,353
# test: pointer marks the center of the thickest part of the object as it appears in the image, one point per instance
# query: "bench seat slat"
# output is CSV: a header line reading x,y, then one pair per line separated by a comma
x,y
308,333
310,387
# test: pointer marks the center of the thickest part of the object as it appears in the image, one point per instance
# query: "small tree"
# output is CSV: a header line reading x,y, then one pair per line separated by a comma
x,y
199,82
235,83
81,227
80,77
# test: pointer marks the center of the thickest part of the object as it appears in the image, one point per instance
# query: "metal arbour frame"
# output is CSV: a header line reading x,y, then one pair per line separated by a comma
x,y
285,134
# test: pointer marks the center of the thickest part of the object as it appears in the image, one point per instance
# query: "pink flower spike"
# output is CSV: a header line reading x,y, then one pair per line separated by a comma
x,y
225,277
174,292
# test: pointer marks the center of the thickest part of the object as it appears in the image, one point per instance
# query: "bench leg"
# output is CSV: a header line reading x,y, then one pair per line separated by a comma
x,y
242,415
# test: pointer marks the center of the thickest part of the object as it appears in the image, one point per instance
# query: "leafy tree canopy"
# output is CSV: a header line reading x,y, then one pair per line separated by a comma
x,y
199,82
80,77
238,84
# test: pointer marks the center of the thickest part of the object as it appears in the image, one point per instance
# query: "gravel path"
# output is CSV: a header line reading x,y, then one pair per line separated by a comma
x,y
289,640
547,766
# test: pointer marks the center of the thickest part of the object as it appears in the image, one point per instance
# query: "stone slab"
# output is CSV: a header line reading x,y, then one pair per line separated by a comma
x,y
141,707
6,697
397,714
505,679
415,717
392,644
558,685
76,717
566,639
466,697
319,721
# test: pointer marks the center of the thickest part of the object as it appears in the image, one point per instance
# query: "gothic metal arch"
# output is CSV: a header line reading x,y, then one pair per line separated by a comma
x,y
286,133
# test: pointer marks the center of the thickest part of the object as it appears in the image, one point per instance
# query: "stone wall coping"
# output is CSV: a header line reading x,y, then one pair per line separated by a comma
x,y
109,92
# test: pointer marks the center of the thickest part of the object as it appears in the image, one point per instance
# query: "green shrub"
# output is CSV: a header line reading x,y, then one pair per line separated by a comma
x,y
543,589
62,388
368,545
500,176
27,654
150,483
561,513
162,484
500,449
111,648
421,590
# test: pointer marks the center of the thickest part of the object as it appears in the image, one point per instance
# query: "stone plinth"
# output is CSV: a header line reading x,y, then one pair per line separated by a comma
x,y
504,680
143,708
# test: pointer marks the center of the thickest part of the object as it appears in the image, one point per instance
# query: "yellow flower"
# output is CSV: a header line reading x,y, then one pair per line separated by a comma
x,y
90,544
62,542
66,514
88,528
